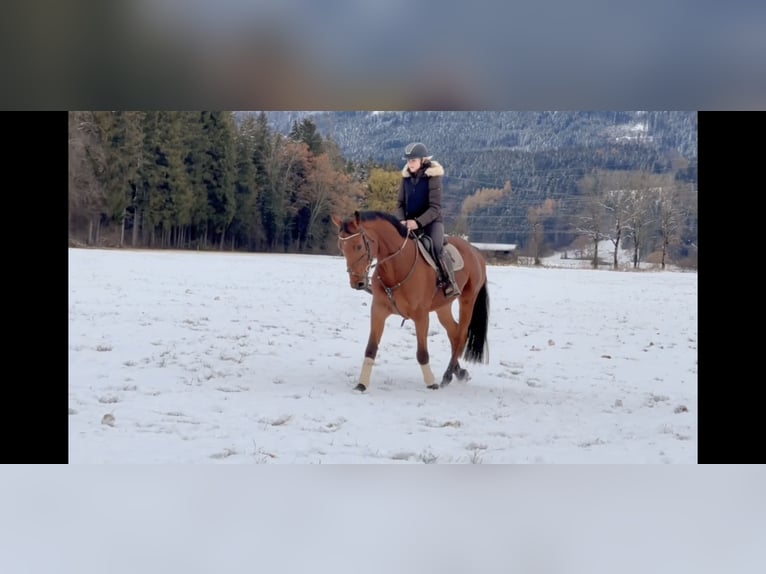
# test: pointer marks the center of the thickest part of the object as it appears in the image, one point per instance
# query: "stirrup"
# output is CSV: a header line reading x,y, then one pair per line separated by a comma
x,y
451,291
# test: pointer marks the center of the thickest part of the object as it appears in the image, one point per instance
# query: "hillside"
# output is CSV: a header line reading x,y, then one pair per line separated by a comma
x,y
539,155
381,136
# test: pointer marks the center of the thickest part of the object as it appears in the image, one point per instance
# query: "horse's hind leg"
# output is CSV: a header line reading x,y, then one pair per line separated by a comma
x,y
460,372
444,314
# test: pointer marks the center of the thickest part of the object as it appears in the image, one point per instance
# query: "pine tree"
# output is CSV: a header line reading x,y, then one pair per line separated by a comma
x,y
245,227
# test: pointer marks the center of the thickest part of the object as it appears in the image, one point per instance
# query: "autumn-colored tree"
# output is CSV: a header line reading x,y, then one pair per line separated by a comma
x,y
324,192
314,198
382,190
537,216
481,200
337,160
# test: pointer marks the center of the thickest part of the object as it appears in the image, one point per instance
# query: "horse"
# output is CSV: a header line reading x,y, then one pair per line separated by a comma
x,y
405,283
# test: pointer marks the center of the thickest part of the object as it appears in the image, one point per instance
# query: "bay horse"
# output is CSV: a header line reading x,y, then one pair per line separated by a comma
x,y
405,283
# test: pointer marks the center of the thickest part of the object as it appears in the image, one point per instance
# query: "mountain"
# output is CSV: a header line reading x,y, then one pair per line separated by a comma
x,y
381,135
539,155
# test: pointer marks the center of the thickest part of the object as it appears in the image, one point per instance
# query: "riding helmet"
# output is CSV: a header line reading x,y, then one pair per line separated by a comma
x,y
414,150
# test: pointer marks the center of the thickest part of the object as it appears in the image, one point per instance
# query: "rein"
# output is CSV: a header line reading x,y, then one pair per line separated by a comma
x,y
388,289
368,254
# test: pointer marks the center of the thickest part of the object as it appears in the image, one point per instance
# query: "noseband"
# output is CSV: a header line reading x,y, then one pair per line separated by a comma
x,y
389,289
368,254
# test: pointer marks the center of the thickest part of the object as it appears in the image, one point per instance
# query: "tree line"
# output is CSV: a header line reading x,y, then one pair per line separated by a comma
x,y
210,180
653,215
202,180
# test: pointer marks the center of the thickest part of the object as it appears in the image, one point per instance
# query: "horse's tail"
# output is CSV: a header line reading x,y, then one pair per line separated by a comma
x,y
476,348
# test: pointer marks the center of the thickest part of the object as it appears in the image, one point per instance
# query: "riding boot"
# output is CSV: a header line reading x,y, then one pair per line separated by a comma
x,y
451,289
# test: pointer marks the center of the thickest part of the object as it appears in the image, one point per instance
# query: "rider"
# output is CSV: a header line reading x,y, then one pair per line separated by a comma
x,y
419,205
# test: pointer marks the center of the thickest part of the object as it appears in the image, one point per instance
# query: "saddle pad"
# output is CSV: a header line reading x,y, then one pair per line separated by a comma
x,y
449,249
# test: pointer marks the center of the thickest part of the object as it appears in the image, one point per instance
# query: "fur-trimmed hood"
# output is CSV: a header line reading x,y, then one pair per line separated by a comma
x,y
434,169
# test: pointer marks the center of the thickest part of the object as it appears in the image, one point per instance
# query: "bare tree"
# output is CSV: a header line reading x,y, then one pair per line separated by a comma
x,y
593,220
617,201
690,208
86,160
670,217
641,215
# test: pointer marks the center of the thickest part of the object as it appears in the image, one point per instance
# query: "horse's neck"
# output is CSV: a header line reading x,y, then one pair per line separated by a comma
x,y
390,244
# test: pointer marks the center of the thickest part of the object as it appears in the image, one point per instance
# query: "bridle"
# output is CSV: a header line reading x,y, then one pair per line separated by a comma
x,y
388,289
368,254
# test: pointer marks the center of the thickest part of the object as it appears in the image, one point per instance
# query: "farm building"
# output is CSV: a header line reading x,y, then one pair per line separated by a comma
x,y
497,253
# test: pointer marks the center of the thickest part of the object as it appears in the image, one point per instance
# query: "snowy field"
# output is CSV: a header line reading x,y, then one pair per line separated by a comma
x,y
190,357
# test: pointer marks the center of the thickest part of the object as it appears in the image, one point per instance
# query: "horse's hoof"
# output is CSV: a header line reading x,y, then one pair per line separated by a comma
x,y
446,382
434,386
360,387
462,375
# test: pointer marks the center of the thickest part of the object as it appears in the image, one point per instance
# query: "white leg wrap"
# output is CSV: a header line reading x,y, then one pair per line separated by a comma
x,y
428,375
364,378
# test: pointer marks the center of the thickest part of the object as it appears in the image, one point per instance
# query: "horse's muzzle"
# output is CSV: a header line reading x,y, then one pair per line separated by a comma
x,y
358,282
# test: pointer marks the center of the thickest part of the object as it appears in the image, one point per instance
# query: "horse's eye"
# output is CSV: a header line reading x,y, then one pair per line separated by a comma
x,y
358,247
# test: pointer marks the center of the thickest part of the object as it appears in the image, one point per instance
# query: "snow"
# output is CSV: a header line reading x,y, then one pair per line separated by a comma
x,y
204,357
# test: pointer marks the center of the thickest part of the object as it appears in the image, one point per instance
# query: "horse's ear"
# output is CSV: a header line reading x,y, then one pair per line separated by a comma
x,y
336,220
356,217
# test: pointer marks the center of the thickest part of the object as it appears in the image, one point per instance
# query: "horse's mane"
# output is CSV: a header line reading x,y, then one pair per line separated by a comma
x,y
376,215
346,225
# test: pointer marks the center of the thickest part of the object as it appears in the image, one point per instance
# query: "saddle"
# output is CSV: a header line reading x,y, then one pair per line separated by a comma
x,y
426,249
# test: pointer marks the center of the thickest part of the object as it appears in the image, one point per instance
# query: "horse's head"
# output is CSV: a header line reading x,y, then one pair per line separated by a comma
x,y
356,249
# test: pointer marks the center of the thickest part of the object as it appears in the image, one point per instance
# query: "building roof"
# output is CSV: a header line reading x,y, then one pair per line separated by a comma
x,y
494,246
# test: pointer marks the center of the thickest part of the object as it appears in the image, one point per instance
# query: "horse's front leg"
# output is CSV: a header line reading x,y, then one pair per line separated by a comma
x,y
378,316
421,332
